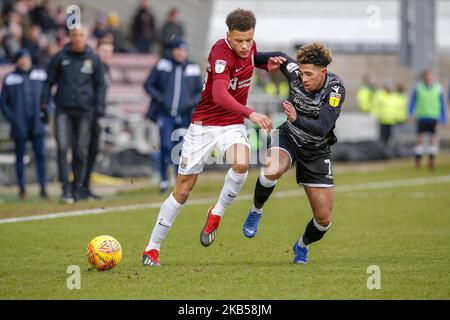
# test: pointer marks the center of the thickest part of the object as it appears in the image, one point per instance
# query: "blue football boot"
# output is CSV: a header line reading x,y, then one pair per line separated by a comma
x,y
251,224
301,254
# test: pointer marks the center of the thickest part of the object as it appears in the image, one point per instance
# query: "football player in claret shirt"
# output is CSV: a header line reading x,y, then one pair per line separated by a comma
x,y
314,104
218,123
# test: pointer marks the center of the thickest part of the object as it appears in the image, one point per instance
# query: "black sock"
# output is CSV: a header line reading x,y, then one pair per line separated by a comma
x,y
261,194
312,234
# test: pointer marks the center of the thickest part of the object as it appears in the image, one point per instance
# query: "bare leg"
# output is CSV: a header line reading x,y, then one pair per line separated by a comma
x,y
321,201
277,163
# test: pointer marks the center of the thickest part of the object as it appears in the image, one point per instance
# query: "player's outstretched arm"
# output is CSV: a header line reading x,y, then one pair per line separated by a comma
x,y
270,61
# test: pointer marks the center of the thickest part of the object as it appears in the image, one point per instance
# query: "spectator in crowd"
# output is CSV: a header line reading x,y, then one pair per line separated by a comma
x,y
365,94
427,106
143,30
114,28
172,29
384,108
60,17
401,104
101,27
175,87
42,15
105,51
78,74
31,42
12,39
7,7
20,104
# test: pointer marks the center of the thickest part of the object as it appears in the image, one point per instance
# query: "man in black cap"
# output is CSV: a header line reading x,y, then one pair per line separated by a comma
x,y
175,86
80,94
20,103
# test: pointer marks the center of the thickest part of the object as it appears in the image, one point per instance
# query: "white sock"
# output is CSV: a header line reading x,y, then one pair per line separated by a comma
x,y
255,209
301,244
321,228
167,214
231,187
419,150
266,182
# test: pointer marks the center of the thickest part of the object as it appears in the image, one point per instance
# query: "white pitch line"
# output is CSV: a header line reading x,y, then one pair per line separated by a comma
x,y
280,194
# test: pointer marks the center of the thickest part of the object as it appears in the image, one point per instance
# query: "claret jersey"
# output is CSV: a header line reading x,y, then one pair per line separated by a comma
x,y
225,63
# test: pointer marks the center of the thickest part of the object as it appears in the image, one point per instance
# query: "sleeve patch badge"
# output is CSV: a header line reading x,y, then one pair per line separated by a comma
x,y
335,98
220,66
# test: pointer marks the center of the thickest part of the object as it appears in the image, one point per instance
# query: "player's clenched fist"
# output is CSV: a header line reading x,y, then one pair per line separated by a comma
x,y
261,120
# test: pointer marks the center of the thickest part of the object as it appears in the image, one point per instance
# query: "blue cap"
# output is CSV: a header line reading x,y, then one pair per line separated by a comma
x,y
178,43
21,53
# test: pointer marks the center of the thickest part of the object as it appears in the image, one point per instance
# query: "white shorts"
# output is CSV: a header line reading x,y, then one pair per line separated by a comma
x,y
200,141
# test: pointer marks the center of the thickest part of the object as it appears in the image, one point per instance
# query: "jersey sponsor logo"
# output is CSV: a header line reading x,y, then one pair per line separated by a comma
x,y
220,66
244,83
335,98
292,67
233,83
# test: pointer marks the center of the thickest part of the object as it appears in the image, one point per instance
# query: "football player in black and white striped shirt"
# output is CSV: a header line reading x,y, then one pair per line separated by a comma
x,y
314,105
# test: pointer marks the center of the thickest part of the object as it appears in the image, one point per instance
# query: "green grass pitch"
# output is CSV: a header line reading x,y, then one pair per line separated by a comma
x,y
403,228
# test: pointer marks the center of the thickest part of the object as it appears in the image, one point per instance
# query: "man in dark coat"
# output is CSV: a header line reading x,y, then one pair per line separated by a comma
x,y
20,103
77,71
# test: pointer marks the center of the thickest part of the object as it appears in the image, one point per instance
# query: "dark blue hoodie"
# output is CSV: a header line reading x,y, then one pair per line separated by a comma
x,y
175,88
20,102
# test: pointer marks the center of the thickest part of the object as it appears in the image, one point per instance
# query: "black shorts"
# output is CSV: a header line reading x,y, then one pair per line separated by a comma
x,y
311,171
426,125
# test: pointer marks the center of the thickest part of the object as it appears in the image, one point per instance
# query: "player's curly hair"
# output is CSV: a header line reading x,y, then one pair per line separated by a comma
x,y
314,53
241,20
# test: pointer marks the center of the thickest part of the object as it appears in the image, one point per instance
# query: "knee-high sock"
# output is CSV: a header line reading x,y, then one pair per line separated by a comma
x,y
263,190
313,232
231,187
167,214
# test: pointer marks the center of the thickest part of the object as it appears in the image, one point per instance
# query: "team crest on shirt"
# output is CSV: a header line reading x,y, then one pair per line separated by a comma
x,y
220,66
335,97
87,66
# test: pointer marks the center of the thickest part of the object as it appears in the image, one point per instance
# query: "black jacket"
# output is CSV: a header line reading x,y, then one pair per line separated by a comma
x,y
80,81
